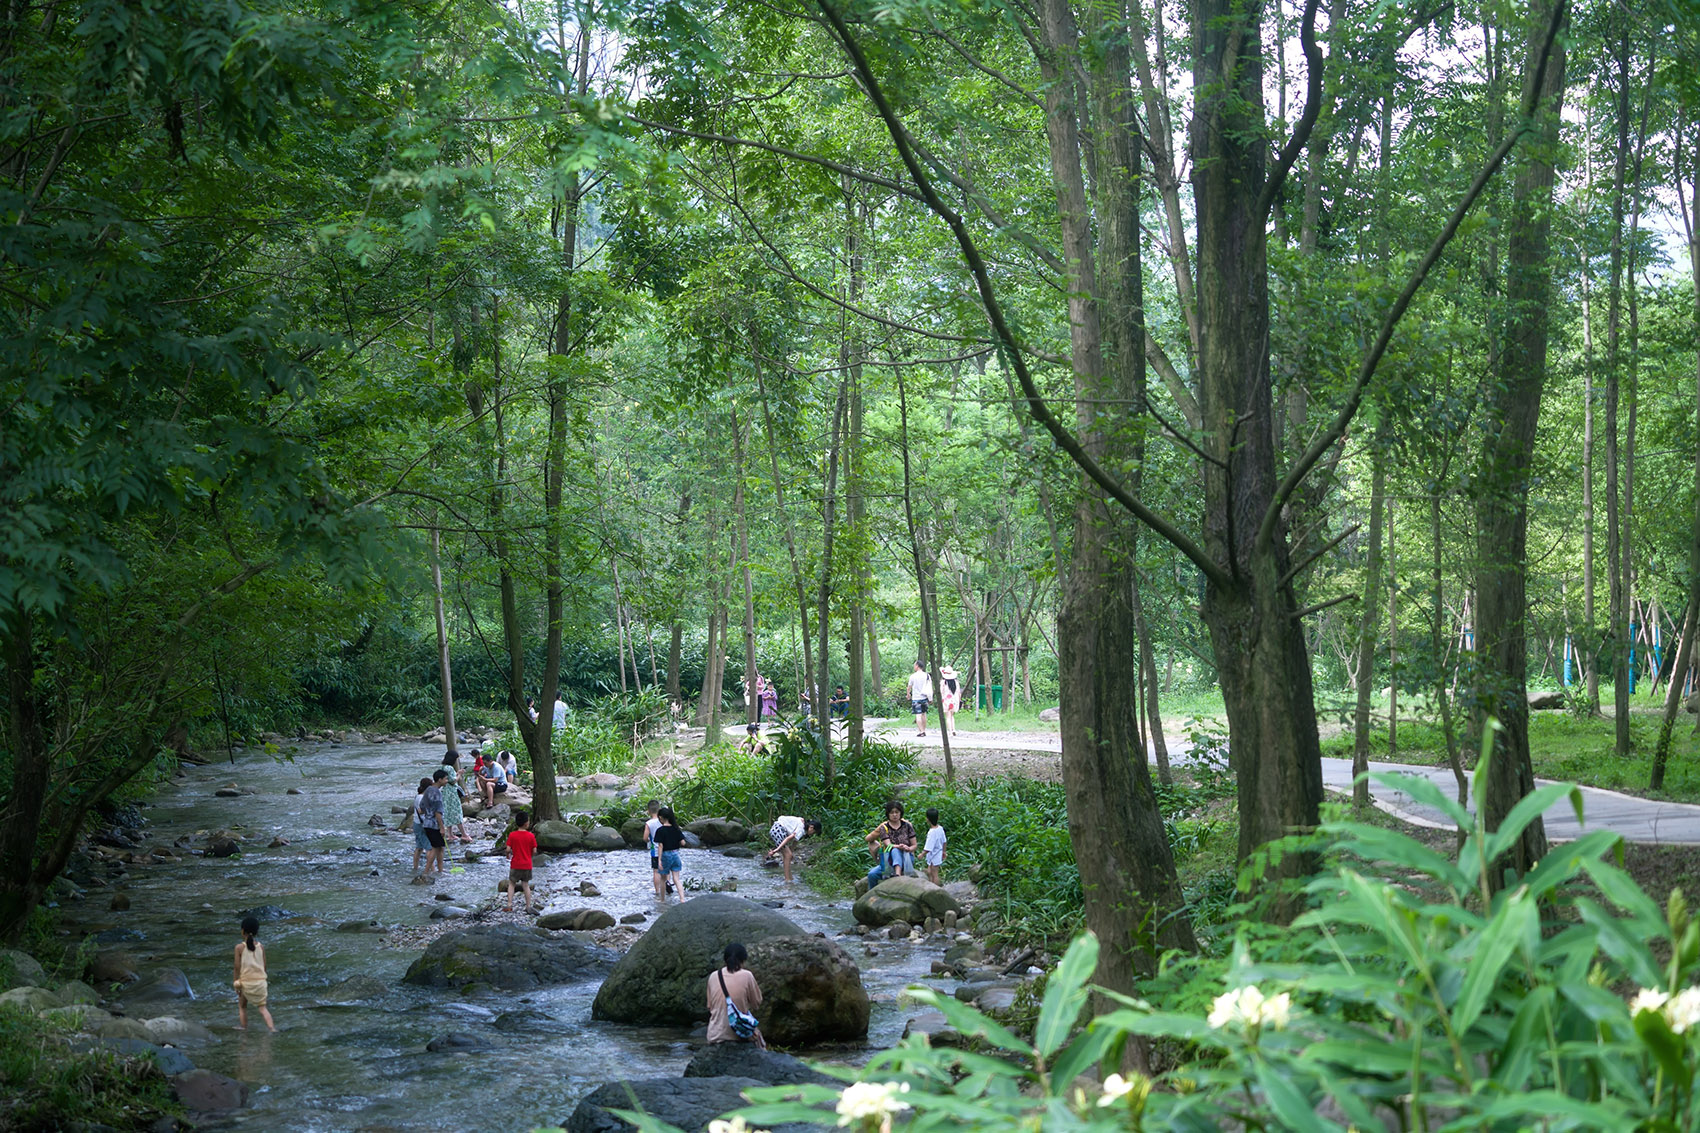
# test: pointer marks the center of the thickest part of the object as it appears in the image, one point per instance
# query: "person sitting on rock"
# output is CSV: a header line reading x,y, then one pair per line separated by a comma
x,y
893,845
736,983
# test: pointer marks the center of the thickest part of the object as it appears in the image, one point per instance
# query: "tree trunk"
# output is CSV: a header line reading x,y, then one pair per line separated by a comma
x,y
1513,407
1367,625
874,656
1392,639
620,629
1262,661
1148,663
927,642
821,701
21,887
445,678
1617,557
808,680
752,701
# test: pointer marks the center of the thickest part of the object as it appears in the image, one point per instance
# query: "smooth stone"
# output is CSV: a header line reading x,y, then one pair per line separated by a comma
x,y
118,1027
508,957
559,837
1050,715
76,991
718,831
228,793
293,791
632,830
170,1060
202,1091
739,851
935,1027
354,989
458,1041
588,889
79,1016
577,920
634,918
449,913
360,926
161,984
686,1103
899,930
31,999
178,1032
20,969
603,838
906,898
746,1060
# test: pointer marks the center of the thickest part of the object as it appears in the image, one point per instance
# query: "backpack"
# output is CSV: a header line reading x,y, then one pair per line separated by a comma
x,y
742,1023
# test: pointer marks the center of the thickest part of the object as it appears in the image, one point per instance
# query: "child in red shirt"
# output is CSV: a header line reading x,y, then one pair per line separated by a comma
x,y
522,843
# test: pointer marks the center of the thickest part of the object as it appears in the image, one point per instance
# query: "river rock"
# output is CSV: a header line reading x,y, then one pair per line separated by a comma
x,y
77,1016
450,913
76,991
293,791
578,920
202,1091
178,1032
634,918
558,837
602,781
505,956
746,1060
458,1041
228,793
739,850
360,926
264,913
31,999
1050,715
170,1060
688,1103
935,1027
603,838
119,903
354,989
898,930
718,831
907,898
811,989
473,806
588,889
118,1027
223,847
160,985
20,969
1543,701
632,831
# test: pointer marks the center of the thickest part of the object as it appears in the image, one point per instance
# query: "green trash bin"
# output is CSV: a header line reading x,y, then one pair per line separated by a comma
x,y
996,697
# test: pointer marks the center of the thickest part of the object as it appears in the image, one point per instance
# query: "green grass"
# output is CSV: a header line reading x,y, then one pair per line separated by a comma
x,y
45,1085
1565,747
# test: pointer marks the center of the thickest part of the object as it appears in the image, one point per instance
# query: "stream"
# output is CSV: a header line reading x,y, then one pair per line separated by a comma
x,y
364,1066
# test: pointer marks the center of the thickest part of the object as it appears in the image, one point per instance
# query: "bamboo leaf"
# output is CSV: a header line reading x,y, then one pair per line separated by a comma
x,y
1065,994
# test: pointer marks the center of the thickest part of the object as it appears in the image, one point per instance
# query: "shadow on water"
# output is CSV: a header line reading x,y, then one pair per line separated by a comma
x,y
338,1065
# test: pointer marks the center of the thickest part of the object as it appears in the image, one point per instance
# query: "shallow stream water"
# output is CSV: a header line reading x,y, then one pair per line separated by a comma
x,y
364,1066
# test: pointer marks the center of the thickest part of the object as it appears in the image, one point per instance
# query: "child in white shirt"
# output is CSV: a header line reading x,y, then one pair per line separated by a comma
x,y
935,845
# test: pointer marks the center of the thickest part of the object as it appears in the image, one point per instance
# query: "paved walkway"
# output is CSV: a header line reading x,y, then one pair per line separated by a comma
x,y
1638,820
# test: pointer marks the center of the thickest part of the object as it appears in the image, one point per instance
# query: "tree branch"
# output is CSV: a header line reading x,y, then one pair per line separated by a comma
x,y
1307,120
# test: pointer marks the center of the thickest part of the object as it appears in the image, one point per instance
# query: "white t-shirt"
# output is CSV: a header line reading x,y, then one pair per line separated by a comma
x,y
649,829
496,771
935,845
920,685
509,763
560,713
791,824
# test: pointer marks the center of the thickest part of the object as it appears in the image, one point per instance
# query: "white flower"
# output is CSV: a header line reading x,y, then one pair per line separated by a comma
x,y
1683,1010
870,1099
1115,1089
736,1125
1246,1007
1647,999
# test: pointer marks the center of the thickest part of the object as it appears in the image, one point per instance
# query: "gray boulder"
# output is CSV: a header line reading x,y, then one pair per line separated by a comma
x,y
178,1032
632,831
161,985
577,920
31,999
112,966
458,1041
20,969
558,837
506,956
170,1060
1050,715
1544,701
687,1103
746,1060
354,989
718,831
811,989
604,838
202,1091
907,898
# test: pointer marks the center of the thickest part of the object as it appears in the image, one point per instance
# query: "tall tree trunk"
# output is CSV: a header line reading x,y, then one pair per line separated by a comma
x,y
1685,646
1368,624
919,554
752,699
829,513
445,677
1261,656
1133,898
620,629
1512,409
808,680
874,656
1437,611
1617,557
21,883
1148,662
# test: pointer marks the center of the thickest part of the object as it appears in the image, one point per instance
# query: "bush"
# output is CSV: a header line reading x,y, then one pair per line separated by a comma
x,y
44,1084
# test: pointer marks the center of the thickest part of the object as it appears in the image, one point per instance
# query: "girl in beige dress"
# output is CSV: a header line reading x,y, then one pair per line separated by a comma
x,y
250,980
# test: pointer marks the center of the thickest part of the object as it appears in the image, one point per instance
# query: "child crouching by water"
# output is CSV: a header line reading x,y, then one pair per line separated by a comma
x,y
250,982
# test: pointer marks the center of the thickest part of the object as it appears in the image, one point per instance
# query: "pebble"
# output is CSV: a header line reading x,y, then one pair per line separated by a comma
x,y
586,889
633,918
293,791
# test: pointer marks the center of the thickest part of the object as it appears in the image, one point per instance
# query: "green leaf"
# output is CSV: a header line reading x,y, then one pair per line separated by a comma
x,y
1065,994
1655,1034
1620,944
1530,807
1425,792
970,1022
1512,925
1289,1103
1084,1052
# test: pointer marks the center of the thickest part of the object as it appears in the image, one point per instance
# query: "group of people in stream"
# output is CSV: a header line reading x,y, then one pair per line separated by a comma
x,y
438,815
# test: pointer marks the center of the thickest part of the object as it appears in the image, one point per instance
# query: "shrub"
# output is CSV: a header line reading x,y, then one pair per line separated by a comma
x,y
44,1084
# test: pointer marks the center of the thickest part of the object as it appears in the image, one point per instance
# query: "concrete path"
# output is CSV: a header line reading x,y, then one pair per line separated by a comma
x,y
1638,820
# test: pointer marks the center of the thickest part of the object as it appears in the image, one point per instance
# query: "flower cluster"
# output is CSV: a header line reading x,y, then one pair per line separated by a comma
x,y
863,1100
1247,1008
1681,1011
736,1125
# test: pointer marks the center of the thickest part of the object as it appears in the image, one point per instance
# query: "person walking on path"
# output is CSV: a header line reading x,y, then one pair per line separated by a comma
x,y
920,692
250,977
738,984
560,720
952,703
670,838
522,843
893,845
769,699
787,830
454,819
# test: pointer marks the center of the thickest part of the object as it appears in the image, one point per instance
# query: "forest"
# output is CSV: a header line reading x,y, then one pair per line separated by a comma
x,y
1285,381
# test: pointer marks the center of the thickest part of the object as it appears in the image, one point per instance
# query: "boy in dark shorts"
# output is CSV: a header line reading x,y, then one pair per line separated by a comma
x,y
522,843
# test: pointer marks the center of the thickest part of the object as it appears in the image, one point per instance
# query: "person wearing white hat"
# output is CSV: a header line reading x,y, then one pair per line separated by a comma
x,y
952,697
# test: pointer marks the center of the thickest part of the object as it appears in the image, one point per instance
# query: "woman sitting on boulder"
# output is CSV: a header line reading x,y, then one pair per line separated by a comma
x,y
893,845
735,984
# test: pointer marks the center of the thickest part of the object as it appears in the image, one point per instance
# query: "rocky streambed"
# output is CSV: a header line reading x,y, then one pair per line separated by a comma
x,y
512,1025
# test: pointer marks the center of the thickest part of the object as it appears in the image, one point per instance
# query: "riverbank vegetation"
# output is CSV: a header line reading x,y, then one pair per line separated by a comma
x,y
47,1083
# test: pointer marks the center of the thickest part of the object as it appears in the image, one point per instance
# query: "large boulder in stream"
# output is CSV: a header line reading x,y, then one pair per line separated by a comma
x,y
908,898
604,838
746,1060
686,1103
718,831
811,989
506,956
558,837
